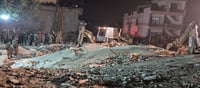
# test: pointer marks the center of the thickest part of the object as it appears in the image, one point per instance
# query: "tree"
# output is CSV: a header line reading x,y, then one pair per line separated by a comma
x,y
19,9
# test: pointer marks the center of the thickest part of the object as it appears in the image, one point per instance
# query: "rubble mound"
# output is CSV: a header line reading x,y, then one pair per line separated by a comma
x,y
160,73
163,74
41,78
94,66
48,49
79,57
25,52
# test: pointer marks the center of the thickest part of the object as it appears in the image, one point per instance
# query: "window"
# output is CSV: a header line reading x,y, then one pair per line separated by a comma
x,y
174,7
102,32
155,20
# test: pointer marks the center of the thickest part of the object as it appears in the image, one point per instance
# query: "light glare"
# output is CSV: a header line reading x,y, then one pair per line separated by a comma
x,y
5,17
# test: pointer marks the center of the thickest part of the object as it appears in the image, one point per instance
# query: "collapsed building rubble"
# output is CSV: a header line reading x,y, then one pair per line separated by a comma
x,y
97,66
26,52
153,75
91,53
40,78
165,73
42,50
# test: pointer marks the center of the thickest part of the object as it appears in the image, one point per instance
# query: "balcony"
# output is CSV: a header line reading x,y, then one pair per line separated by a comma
x,y
166,26
155,7
177,10
169,13
163,10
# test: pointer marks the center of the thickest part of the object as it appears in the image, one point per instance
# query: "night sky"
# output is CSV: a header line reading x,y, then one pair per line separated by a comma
x,y
110,12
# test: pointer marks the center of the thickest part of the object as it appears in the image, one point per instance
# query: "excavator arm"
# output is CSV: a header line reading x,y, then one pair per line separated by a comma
x,y
189,33
84,33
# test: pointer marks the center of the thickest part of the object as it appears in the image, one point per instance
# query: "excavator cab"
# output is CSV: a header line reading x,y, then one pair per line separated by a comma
x,y
193,41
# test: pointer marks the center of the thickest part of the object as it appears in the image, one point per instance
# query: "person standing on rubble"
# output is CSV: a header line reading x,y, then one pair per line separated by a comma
x,y
4,36
15,46
39,38
30,38
35,39
9,50
43,37
47,38
53,36
12,35
50,41
25,38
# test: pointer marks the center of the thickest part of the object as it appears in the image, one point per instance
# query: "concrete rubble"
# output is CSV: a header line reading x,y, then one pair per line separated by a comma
x,y
100,66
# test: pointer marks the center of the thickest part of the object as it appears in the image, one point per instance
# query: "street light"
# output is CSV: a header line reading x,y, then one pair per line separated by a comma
x,y
5,16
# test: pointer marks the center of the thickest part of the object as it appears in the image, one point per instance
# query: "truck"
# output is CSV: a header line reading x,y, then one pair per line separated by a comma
x,y
111,34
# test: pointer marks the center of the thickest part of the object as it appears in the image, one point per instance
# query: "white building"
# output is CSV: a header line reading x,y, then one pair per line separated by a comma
x,y
158,18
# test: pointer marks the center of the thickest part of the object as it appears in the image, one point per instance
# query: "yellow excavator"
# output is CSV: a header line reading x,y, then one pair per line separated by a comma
x,y
190,34
84,33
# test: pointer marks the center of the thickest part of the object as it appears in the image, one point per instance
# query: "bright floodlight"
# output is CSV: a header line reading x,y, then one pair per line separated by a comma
x,y
5,17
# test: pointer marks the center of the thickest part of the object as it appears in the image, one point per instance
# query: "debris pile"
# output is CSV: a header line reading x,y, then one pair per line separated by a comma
x,y
114,44
121,59
128,76
41,78
121,67
128,58
25,52
120,75
43,50
163,52
183,50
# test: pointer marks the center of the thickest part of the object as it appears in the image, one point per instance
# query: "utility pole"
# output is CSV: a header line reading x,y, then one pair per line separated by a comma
x,y
59,20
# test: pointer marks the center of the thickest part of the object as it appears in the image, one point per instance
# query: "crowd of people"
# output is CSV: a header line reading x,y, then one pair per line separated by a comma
x,y
13,39
27,38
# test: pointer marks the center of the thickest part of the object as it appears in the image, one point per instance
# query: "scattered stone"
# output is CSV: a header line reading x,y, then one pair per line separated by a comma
x,y
14,81
117,71
148,78
83,81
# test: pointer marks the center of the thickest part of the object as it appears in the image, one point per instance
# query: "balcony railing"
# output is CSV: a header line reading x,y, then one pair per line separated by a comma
x,y
156,8
163,10
177,10
171,26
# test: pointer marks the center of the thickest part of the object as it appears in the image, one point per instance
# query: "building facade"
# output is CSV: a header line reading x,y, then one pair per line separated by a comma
x,y
161,17
44,21
46,17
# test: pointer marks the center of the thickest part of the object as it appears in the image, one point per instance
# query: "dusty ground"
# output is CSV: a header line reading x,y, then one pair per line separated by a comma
x,y
97,66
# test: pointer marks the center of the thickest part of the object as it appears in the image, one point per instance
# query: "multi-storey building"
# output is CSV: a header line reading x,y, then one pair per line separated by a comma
x,y
156,19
